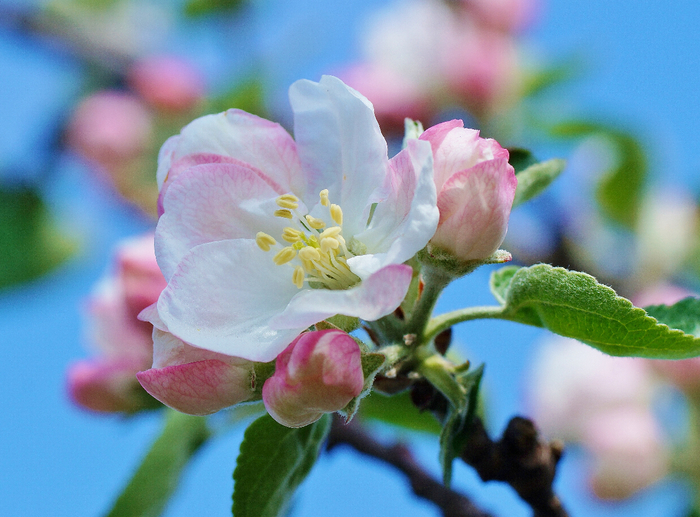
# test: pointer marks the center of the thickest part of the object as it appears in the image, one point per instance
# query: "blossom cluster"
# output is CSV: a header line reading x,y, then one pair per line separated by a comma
x,y
420,55
261,236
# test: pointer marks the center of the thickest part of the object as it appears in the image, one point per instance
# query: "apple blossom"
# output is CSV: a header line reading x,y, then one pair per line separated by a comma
x,y
628,452
475,190
262,236
108,383
572,383
605,404
320,372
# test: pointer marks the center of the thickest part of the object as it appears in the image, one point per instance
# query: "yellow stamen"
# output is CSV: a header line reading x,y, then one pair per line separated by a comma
x,y
283,213
298,277
324,197
284,255
337,214
328,244
330,232
264,241
290,234
288,201
309,254
316,224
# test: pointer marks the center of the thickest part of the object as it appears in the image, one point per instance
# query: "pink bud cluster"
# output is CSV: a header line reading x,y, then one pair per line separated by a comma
x,y
114,129
107,383
423,56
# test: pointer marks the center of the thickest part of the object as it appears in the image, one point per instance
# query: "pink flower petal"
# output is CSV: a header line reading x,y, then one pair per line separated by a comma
x,y
213,202
199,388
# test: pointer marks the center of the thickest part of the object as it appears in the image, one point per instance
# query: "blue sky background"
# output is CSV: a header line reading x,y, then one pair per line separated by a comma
x,y
58,460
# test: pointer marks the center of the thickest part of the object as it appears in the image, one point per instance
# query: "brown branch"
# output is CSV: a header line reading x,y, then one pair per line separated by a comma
x,y
451,503
521,459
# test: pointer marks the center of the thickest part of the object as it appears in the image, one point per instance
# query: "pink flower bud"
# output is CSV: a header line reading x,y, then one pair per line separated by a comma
x,y
167,83
506,15
320,372
628,451
475,190
110,128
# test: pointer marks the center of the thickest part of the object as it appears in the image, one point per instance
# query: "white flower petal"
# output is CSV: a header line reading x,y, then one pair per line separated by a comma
x,y
404,223
258,142
165,156
222,297
340,146
375,297
213,202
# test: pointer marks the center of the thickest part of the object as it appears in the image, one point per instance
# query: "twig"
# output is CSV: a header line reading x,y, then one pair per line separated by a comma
x,y
521,459
451,503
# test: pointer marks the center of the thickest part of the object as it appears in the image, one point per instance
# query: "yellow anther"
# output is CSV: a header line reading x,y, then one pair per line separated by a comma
x,y
298,277
316,224
288,201
290,234
264,241
333,231
337,214
284,255
324,197
283,213
329,244
309,254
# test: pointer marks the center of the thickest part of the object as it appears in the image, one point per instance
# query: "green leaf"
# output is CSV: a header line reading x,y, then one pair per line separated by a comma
x,y
398,410
500,281
683,315
195,8
156,479
458,424
620,189
272,463
533,180
30,243
575,305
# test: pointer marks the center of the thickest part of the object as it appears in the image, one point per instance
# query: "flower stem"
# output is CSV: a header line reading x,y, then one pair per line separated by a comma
x,y
435,281
445,321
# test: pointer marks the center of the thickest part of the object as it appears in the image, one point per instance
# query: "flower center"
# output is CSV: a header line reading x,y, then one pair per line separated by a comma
x,y
316,249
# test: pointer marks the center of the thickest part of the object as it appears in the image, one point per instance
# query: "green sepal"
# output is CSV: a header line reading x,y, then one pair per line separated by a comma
x,y
342,322
520,158
536,178
157,477
458,423
575,305
272,463
451,266
683,315
372,362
